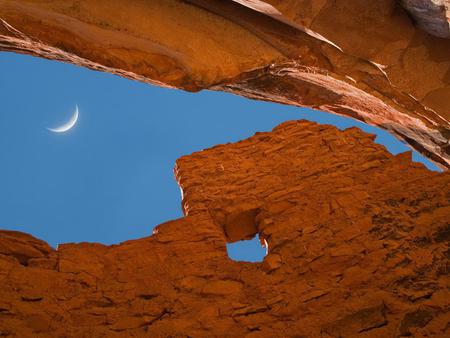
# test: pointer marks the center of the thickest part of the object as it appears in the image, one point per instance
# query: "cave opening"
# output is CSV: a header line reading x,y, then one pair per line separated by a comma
x,y
241,231
249,250
110,179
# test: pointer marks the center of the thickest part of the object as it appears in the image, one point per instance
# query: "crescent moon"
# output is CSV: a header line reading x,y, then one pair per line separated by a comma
x,y
67,126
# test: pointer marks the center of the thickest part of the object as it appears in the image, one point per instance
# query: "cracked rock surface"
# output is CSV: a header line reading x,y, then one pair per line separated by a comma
x,y
358,243
371,60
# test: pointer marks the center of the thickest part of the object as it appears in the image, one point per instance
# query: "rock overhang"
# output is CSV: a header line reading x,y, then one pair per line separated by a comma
x,y
364,60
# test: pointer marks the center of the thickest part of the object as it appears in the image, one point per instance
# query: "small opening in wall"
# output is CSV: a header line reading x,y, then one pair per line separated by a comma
x,y
253,250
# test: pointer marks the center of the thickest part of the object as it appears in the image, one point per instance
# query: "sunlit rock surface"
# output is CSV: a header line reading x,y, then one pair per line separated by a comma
x,y
370,60
357,241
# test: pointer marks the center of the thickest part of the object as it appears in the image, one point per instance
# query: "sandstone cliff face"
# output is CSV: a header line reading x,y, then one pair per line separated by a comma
x,y
364,59
358,243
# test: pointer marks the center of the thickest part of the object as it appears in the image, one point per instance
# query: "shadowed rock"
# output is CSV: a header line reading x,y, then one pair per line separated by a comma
x,y
432,15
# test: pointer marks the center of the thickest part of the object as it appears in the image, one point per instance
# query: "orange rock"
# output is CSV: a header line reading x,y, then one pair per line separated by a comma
x,y
302,187
363,59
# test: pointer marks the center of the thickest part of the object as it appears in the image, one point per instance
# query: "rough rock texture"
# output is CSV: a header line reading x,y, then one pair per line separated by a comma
x,y
358,247
432,15
365,59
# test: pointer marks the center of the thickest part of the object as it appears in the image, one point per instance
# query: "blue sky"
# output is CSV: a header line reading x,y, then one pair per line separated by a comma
x,y
110,178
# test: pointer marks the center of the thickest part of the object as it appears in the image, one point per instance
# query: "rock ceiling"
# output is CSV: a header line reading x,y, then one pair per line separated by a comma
x,y
371,60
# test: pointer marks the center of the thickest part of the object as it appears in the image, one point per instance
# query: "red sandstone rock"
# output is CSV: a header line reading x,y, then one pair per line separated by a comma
x,y
358,247
359,58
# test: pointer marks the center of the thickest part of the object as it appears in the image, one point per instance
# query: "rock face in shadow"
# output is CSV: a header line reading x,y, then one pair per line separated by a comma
x,y
358,243
364,59
432,15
